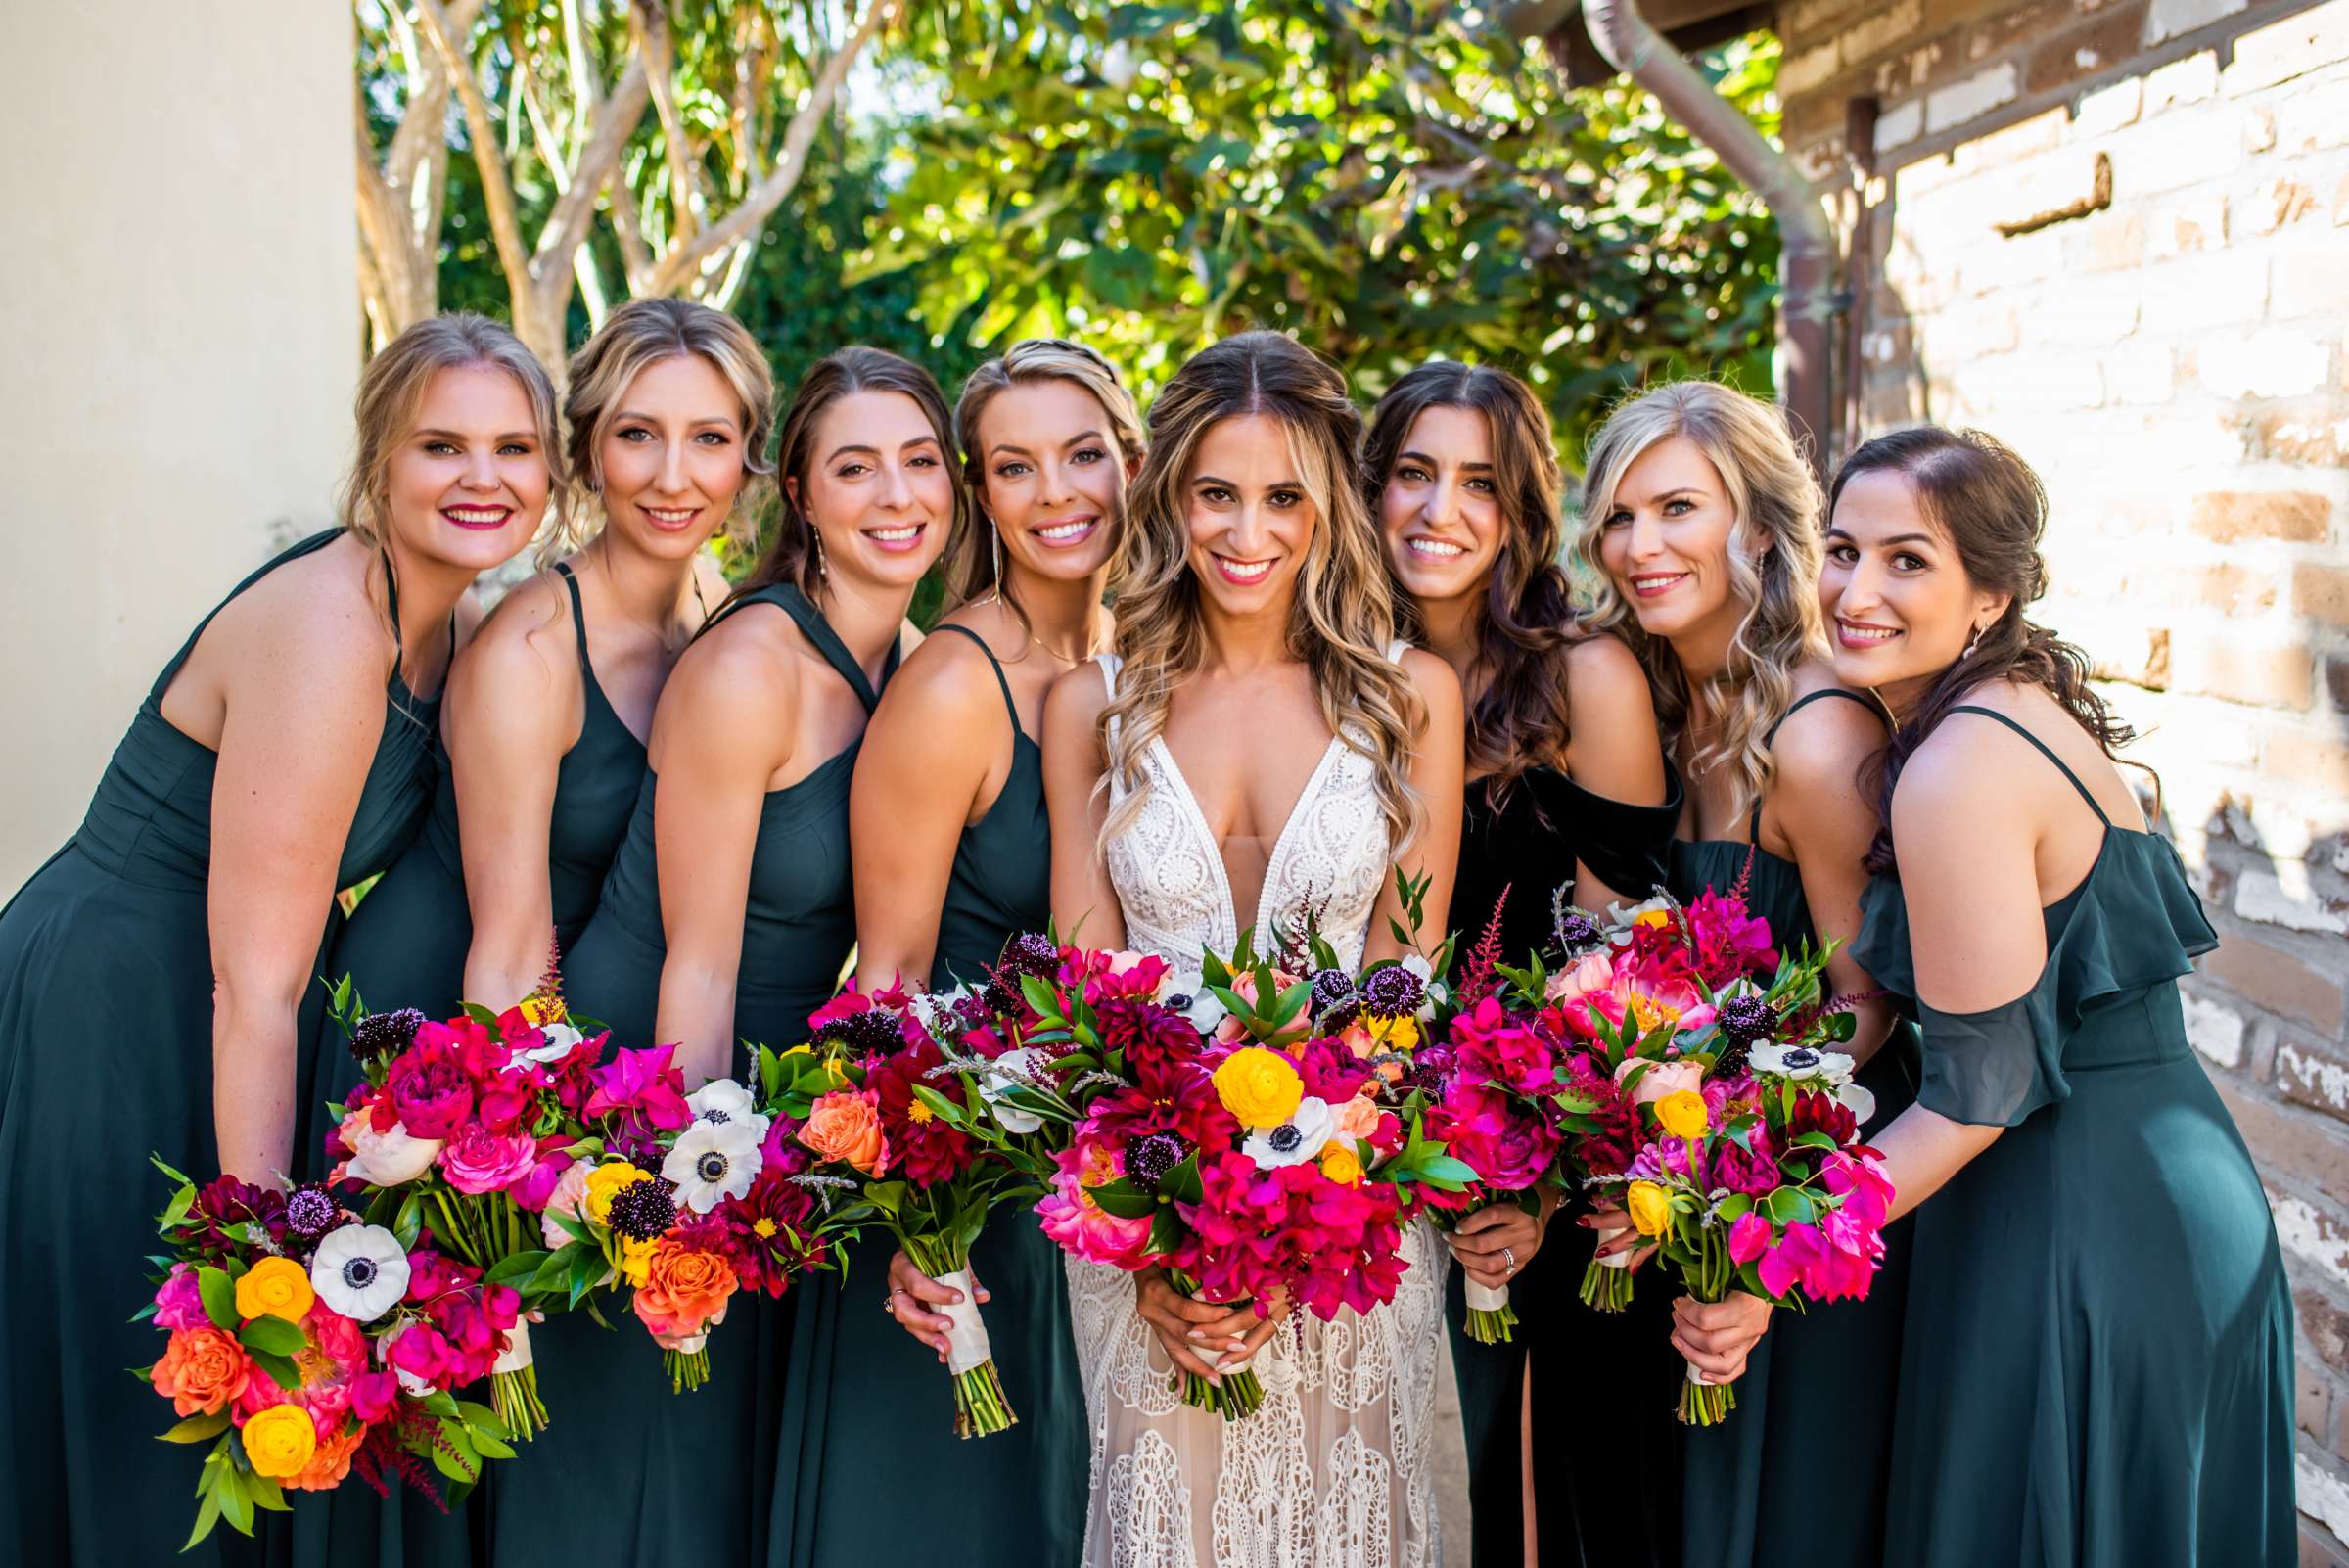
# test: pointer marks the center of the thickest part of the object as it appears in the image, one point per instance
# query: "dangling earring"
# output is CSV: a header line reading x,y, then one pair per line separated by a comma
x,y
1971,646
823,574
994,537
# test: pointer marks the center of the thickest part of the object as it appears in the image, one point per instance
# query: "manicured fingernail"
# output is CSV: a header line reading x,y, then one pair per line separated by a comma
x,y
1195,1334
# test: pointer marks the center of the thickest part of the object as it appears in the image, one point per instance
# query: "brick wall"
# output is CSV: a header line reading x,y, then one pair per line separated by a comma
x,y
2117,236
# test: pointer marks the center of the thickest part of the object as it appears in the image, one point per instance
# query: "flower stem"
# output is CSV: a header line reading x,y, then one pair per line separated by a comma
x,y
514,1396
1605,1289
686,1370
1492,1328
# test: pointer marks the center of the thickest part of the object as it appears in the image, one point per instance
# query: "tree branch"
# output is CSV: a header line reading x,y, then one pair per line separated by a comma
x,y
683,177
422,127
497,189
685,261
612,122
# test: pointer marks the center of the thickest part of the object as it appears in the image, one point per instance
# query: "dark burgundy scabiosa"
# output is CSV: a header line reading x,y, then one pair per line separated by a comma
x,y
873,1032
1392,992
1332,987
385,1034
642,1210
1745,1022
310,1211
1576,932
1146,1031
1030,953
1151,1156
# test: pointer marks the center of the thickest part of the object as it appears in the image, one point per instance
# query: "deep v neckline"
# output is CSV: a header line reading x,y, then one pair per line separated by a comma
x,y
1280,844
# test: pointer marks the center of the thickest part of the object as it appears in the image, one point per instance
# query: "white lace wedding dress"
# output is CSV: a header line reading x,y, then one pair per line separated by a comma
x,y
1333,1470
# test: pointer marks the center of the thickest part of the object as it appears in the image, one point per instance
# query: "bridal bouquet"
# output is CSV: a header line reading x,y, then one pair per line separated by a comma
x,y
1271,1159
1745,1165
305,1345
467,1127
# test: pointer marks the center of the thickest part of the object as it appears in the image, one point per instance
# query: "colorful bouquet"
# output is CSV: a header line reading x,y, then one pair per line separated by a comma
x,y
1733,1131
911,1131
468,1126
1271,1160
307,1345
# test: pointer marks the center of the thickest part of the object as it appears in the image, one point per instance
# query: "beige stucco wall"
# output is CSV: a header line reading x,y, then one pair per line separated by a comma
x,y
179,336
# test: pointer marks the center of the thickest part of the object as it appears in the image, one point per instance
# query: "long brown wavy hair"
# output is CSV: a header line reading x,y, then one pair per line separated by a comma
x,y
1993,511
1774,559
791,556
1525,624
1342,619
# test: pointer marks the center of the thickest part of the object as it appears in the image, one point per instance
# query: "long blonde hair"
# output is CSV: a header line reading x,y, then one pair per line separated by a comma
x,y
392,391
638,335
1342,619
971,561
1774,560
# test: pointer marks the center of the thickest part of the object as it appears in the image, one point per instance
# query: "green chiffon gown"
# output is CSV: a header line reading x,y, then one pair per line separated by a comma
x,y
2098,1366
1018,1498
628,1471
1514,857
1821,1382
105,1054
406,946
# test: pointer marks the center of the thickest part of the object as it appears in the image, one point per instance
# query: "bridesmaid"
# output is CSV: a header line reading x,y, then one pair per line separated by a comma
x,y
1700,523
1566,791
154,972
746,807
953,857
668,415
2088,1203
668,412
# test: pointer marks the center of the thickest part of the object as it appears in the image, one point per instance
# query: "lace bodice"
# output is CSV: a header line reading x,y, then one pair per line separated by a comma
x,y
1331,856
1334,1470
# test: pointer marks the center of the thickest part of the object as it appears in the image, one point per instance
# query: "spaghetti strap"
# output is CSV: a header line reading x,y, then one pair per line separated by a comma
x,y
996,666
1753,820
578,618
2046,751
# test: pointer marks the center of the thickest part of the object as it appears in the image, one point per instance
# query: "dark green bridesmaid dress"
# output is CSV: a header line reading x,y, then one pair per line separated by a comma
x,y
406,946
1025,1487
629,1472
1514,855
2098,1366
1820,1382
106,1053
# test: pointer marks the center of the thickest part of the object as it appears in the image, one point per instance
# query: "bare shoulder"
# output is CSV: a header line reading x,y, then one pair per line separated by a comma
x,y
747,666
1826,742
1960,771
1605,682
318,614
1072,707
524,640
944,681
1432,678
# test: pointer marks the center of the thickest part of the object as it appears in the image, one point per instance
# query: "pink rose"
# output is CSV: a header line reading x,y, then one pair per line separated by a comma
x,y
384,1159
478,1160
1243,986
1661,1078
179,1303
1357,1118
571,1191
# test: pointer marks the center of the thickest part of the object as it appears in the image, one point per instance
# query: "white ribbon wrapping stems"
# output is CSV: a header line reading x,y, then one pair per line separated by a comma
x,y
1621,1260
966,1341
1485,1298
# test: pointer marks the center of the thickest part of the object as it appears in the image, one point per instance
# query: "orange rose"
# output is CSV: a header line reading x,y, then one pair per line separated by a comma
x,y
330,1462
201,1370
1358,1118
684,1288
843,1126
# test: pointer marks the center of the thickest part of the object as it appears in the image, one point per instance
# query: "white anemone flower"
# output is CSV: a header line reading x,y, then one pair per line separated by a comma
x,y
937,1012
1859,1100
722,1102
1013,1070
561,1040
1298,1139
360,1271
712,1161
1802,1062
1201,1006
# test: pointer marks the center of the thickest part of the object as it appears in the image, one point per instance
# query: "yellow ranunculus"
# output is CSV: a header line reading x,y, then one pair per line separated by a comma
x,y
603,1183
275,1287
1683,1113
280,1439
1397,1033
1651,1210
1259,1086
1652,918
1338,1163
636,1259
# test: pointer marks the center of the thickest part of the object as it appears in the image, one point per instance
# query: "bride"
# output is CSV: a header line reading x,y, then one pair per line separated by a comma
x,y
1260,742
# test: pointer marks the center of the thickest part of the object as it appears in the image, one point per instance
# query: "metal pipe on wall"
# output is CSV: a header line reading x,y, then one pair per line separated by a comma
x,y
1806,250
